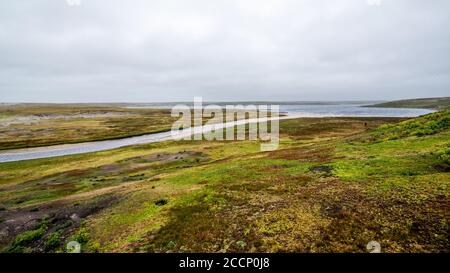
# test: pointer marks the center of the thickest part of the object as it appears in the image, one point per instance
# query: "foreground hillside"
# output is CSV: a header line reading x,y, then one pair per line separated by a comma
x,y
428,103
334,185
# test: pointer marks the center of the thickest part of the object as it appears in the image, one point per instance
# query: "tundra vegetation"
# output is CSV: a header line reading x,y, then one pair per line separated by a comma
x,y
33,125
334,185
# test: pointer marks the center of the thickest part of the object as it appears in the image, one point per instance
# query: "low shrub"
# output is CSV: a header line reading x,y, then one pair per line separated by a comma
x,y
52,241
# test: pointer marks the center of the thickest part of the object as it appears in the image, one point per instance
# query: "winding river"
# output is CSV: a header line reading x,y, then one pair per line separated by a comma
x,y
294,111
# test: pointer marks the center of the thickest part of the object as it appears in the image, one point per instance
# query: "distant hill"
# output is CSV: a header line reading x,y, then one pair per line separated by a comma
x,y
426,103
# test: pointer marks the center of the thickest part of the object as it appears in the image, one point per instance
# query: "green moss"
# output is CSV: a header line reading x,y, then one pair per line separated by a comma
x,y
81,236
52,241
26,238
444,155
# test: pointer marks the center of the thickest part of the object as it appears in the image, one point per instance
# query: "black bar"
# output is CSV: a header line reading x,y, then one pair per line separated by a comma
x,y
224,262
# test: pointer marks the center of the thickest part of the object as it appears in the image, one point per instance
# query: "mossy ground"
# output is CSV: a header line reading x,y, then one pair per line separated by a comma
x,y
333,186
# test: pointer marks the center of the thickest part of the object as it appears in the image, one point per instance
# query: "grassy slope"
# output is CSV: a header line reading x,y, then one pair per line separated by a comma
x,y
427,103
332,186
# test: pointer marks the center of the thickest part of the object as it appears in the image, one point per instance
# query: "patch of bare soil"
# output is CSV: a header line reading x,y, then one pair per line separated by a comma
x,y
60,216
323,170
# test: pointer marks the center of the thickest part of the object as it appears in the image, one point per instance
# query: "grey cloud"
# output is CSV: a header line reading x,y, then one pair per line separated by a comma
x,y
162,50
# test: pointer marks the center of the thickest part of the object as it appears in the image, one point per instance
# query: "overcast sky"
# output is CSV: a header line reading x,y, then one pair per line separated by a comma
x,y
172,50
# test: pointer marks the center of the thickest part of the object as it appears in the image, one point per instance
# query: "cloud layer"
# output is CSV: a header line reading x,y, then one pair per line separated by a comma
x,y
166,50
